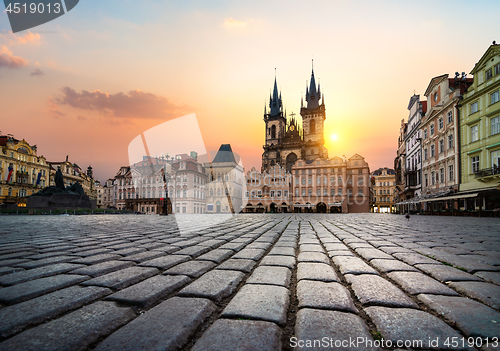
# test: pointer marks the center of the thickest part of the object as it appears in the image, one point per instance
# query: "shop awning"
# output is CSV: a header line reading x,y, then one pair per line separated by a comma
x,y
464,196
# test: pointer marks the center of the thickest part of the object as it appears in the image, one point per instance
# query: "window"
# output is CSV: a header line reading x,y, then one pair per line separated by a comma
x,y
318,180
285,193
332,192
441,145
495,125
435,96
272,193
318,192
426,153
433,178
426,179
332,180
489,74
432,151
451,176
442,174
495,159
474,134
309,192
494,97
450,116
474,163
310,180
278,194
473,107
339,192
303,192
450,141
297,192
497,69
432,129
425,133
246,194
441,123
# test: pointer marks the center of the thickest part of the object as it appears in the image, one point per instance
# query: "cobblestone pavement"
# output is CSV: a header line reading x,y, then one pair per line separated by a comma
x,y
254,282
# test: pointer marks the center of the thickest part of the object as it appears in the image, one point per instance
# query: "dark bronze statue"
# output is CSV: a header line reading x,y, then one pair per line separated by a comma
x,y
59,179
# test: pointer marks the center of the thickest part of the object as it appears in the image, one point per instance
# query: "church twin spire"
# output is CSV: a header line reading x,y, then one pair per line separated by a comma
x,y
313,94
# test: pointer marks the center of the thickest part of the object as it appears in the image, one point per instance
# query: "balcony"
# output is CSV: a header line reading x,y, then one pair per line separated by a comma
x,y
487,174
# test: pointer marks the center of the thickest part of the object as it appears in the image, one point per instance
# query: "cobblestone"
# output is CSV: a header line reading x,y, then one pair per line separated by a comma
x,y
249,282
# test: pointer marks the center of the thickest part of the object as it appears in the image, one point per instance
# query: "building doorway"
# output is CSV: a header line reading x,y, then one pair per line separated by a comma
x,y
217,207
321,207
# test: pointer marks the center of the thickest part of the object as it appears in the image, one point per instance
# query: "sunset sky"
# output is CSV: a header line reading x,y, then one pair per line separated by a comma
x,y
89,82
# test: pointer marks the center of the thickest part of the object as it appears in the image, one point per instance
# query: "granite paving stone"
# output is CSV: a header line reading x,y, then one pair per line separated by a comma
x,y
37,310
414,258
374,290
341,330
25,275
193,269
250,254
487,293
28,290
445,273
418,283
472,318
282,251
149,291
193,251
316,294
353,265
102,268
97,258
318,257
165,262
271,275
122,278
386,266
10,270
143,256
417,328
371,253
280,261
238,335
316,271
74,331
45,261
217,255
239,265
233,246
493,277
261,302
215,285
129,251
166,326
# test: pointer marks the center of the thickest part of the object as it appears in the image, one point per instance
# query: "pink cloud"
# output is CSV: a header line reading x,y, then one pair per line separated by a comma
x,y
54,110
10,61
28,38
134,104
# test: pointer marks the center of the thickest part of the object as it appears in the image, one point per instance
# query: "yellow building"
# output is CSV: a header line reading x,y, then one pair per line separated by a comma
x,y
72,173
22,171
384,190
480,136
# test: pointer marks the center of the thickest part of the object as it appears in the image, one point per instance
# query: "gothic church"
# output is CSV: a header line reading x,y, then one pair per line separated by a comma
x,y
286,141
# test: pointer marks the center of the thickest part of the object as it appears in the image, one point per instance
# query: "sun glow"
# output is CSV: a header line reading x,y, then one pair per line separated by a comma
x,y
333,137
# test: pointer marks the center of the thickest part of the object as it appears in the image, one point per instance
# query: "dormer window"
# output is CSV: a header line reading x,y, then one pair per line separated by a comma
x,y
435,96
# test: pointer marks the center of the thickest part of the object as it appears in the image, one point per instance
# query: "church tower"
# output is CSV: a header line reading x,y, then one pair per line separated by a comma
x,y
275,129
313,118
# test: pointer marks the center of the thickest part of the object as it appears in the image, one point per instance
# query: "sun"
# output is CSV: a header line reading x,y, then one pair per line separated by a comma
x,y
333,137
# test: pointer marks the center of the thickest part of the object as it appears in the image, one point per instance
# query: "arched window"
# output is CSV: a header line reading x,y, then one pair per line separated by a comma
x,y
273,132
218,177
211,192
218,191
312,126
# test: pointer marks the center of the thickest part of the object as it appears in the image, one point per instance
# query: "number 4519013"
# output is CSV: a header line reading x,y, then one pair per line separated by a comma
x,y
33,8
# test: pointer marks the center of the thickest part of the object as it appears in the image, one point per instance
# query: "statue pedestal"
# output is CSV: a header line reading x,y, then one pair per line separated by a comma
x,y
60,202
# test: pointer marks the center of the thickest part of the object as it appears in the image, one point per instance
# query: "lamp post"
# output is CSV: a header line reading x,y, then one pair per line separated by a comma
x,y
166,177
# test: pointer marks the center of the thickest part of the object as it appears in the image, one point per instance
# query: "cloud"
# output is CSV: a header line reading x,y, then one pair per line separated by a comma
x,y
10,61
54,109
28,38
232,23
134,104
81,118
37,72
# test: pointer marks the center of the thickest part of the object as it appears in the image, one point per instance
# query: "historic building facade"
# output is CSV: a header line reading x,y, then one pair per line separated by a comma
x,y
22,171
226,182
480,135
440,130
268,191
286,141
400,163
384,190
413,158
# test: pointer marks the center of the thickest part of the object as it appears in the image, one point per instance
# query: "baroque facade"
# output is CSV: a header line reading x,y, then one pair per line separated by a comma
x,y
384,190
